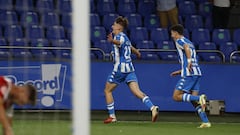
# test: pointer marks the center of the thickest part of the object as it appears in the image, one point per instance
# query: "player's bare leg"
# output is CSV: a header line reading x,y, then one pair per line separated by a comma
x,y
177,95
109,87
134,87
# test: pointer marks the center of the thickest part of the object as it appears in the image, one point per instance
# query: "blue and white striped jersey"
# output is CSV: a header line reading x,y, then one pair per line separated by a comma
x,y
122,54
183,58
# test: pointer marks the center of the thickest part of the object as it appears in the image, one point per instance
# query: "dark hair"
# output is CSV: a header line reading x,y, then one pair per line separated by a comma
x,y
32,94
122,21
178,28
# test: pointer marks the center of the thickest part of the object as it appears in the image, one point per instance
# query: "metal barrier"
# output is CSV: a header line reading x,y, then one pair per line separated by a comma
x,y
233,53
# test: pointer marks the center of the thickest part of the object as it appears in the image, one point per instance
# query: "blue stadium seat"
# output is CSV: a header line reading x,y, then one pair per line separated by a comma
x,y
13,32
205,9
45,6
18,42
167,55
93,56
41,42
135,20
209,56
34,32
5,53
98,33
29,18
104,45
3,42
21,53
208,23
95,19
200,36
207,46
105,7
126,7
151,21
24,5
146,7
186,33
49,19
227,48
145,44
92,6
235,58
1,31
42,54
6,4
193,22
55,32
69,34
149,56
61,43
8,18
64,6
236,38
138,34
63,54
186,8
108,20
159,34
66,20
220,36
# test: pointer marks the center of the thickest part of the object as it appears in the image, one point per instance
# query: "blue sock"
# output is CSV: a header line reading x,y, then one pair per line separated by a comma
x,y
111,110
202,115
188,97
146,100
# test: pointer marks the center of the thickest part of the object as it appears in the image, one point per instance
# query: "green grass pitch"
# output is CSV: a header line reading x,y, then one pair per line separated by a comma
x,y
162,128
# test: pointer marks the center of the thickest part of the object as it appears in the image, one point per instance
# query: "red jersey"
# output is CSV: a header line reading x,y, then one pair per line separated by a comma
x,y
5,87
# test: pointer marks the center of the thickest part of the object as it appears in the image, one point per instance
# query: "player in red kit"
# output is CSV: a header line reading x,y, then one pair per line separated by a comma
x,y
11,94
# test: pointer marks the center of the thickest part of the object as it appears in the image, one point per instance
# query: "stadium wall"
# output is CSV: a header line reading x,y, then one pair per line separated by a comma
x,y
219,82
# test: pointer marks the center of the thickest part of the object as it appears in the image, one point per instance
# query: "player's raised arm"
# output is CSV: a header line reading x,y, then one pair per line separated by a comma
x,y
136,51
6,125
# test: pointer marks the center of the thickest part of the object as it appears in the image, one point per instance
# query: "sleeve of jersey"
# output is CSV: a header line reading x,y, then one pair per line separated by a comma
x,y
120,39
180,42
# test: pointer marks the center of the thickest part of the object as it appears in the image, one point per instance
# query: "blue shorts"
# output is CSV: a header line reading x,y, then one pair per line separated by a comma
x,y
116,77
188,84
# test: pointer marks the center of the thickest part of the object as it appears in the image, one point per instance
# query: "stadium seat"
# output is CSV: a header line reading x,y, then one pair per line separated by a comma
x,y
34,32
208,23
29,18
193,22
138,34
186,8
8,18
200,35
41,42
6,4
205,9
159,34
98,33
227,48
93,56
166,54
146,7
135,20
13,32
66,20
92,6
1,32
55,32
62,54
105,7
61,43
3,42
108,20
45,6
145,44
236,38
207,46
49,19
186,33
69,34
5,53
235,58
220,36
95,19
42,54
64,6
205,57
151,21
21,53
105,46
126,7
24,5
149,56
210,55
18,42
